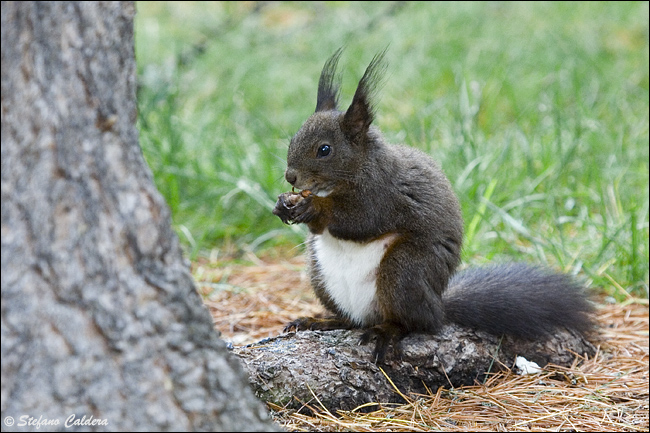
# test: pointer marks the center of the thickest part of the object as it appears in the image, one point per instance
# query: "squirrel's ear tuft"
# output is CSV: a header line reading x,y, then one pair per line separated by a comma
x,y
328,85
359,116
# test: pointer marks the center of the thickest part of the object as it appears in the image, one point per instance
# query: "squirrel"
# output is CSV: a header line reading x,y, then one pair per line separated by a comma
x,y
386,232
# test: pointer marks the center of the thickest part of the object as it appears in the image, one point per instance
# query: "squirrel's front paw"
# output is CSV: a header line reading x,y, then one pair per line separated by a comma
x,y
294,207
303,212
286,201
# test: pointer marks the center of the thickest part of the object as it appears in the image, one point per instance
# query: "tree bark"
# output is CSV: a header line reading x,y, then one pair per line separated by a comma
x,y
100,316
331,369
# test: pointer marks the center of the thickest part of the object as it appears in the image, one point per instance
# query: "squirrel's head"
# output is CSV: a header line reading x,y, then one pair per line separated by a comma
x,y
329,148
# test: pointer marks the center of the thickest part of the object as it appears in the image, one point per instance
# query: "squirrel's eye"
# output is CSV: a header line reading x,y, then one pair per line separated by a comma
x,y
323,151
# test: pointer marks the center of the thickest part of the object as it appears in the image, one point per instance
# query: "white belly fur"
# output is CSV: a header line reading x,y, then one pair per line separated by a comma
x,y
349,273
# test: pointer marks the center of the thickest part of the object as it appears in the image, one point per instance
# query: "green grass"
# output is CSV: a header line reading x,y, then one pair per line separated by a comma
x,y
538,113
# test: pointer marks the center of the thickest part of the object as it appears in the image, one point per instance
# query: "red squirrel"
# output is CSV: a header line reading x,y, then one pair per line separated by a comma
x,y
386,232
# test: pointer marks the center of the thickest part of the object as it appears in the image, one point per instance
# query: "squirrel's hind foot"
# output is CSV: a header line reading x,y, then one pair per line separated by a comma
x,y
316,324
386,335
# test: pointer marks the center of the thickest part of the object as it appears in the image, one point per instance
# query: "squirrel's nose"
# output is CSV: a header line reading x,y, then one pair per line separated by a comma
x,y
291,176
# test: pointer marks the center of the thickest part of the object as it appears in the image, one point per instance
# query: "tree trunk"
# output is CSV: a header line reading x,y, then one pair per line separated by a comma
x,y
331,369
101,324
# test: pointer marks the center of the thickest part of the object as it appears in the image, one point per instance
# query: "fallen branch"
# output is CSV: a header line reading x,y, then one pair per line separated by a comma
x,y
331,369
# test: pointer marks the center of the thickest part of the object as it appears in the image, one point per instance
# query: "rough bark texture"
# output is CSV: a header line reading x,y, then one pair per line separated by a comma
x,y
100,316
286,370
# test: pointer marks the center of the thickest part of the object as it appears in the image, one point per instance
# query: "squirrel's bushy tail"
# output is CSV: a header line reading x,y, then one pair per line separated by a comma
x,y
517,299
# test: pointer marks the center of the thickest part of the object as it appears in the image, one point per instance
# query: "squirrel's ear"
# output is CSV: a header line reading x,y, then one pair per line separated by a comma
x,y
328,85
359,116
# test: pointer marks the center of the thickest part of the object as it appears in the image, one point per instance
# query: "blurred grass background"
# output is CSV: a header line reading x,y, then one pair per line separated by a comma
x,y
537,112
